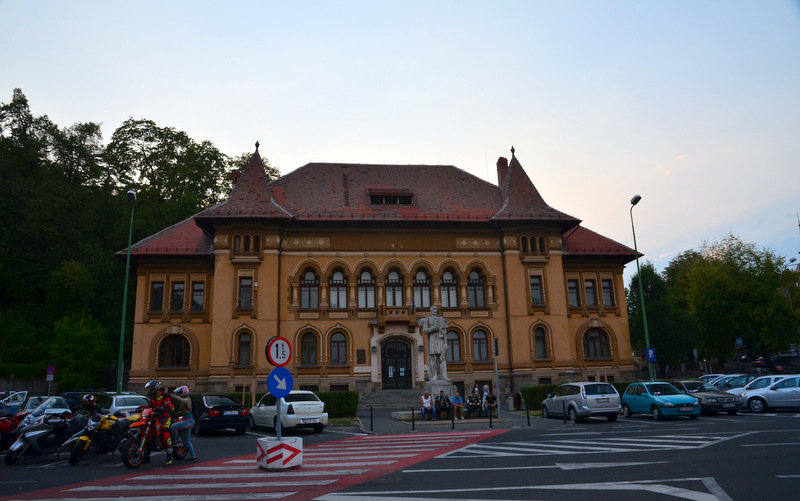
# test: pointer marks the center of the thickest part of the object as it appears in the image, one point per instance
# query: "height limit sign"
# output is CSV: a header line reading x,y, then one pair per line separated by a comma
x,y
279,351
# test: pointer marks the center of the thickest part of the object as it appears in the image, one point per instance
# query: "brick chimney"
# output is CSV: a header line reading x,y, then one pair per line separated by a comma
x,y
502,170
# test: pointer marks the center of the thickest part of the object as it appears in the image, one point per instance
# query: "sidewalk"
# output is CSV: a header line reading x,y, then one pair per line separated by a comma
x,y
377,421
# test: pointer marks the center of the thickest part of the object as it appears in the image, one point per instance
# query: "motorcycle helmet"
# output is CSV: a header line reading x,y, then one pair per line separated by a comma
x,y
153,388
88,400
182,391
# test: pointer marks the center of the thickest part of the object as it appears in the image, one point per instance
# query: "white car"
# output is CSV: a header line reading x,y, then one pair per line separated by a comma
x,y
785,393
38,406
760,382
124,405
299,409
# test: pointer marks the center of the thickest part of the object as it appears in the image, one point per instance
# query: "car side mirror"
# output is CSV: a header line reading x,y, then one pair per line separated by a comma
x,y
549,395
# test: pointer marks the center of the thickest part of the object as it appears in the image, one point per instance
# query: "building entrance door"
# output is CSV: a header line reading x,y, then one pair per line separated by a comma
x,y
396,364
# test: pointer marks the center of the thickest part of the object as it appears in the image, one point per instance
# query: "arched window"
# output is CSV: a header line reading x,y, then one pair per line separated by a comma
x,y
394,289
524,243
596,345
237,244
338,290
174,351
540,340
453,347
246,247
475,292
308,349
309,291
366,290
338,349
480,346
256,244
243,351
449,286
542,247
422,290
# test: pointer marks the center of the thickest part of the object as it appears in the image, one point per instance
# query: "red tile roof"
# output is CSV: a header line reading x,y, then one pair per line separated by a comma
x,y
580,241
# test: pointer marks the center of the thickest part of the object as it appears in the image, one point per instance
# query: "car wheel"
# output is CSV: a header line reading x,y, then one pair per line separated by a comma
x,y
612,417
253,425
275,423
318,428
545,413
657,415
758,405
626,411
197,430
573,415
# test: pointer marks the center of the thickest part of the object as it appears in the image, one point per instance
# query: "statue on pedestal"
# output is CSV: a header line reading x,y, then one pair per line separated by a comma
x,y
436,329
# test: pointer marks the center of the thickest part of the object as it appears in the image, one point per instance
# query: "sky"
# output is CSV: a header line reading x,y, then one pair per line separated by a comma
x,y
694,105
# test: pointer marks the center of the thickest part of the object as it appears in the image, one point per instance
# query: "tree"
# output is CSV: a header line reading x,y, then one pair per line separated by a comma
x,y
240,162
670,330
80,351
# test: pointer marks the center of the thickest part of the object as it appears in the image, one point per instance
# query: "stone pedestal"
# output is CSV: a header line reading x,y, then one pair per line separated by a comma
x,y
274,454
439,385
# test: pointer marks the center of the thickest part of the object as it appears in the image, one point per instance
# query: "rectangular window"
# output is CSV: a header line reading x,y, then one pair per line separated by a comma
x,y
574,294
537,294
366,296
198,296
245,293
157,296
591,293
176,303
338,296
608,292
394,295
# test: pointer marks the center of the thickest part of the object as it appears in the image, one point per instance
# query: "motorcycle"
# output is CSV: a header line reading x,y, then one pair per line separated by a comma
x,y
147,439
44,435
102,434
8,428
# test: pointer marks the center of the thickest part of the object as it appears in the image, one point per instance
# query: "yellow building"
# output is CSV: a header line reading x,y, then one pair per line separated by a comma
x,y
343,259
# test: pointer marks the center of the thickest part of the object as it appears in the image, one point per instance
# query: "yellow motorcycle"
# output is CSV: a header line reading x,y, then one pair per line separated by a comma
x,y
102,434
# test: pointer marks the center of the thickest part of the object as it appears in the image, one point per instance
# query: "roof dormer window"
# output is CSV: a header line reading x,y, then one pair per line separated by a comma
x,y
390,196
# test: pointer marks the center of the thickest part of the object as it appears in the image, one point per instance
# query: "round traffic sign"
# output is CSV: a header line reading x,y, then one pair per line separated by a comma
x,y
279,382
50,369
278,351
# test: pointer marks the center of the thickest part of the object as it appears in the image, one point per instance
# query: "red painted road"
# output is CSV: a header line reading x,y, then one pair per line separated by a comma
x,y
326,468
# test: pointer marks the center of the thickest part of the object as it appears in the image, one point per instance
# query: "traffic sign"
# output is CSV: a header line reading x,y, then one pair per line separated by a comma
x,y
279,382
50,369
651,355
278,351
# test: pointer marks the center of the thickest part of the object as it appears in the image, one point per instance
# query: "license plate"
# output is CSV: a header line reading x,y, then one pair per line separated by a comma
x,y
310,420
603,400
729,405
687,408
230,413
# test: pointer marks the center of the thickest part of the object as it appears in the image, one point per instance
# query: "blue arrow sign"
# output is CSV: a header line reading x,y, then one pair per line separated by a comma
x,y
279,382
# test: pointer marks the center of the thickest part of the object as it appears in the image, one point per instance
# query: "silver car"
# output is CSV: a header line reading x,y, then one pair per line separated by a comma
x,y
581,400
782,394
760,382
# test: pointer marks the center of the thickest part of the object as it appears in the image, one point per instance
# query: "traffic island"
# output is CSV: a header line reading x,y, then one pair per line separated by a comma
x,y
274,454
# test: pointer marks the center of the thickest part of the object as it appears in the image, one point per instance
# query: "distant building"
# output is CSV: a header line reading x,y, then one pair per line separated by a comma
x,y
342,259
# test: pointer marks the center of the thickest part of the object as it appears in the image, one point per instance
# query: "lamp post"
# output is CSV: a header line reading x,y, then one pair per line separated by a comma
x,y
635,200
120,362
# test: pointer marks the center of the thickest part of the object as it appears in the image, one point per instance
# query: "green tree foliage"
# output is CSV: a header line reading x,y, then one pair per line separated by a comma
x,y
79,351
240,162
670,330
65,216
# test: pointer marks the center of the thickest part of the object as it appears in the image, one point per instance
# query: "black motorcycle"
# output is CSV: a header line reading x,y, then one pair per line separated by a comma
x,y
102,434
44,435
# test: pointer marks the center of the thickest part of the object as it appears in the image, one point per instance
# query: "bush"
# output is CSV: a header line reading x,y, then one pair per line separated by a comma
x,y
340,404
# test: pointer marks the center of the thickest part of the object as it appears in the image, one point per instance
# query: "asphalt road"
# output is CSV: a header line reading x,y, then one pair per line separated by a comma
x,y
747,456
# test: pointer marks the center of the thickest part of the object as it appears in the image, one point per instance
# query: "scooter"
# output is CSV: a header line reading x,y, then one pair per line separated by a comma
x,y
44,435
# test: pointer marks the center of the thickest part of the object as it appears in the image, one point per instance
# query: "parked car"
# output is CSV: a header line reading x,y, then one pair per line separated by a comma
x,y
11,402
123,405
759,382
660,399
782,394
735,382
219,412
299,409
708,378
36,406
711,399
581,400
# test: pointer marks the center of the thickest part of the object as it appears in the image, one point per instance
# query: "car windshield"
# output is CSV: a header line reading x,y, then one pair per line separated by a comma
x,y
130,401
598,389
212,400
662,389
301,397
695,386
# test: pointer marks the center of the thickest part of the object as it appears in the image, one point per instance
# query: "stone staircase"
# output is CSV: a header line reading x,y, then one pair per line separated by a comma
x,y
391,399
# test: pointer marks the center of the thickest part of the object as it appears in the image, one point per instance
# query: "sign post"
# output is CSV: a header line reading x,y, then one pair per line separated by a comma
x,y
279,453
50,372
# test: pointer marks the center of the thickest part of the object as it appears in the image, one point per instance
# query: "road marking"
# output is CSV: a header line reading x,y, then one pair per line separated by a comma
x,y
561,466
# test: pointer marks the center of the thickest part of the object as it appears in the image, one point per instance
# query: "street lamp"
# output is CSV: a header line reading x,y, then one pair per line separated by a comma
x,y
120,362
635,200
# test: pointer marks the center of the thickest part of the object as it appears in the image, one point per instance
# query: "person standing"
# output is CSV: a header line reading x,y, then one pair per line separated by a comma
x,y
185,425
